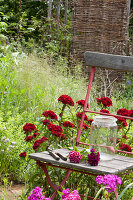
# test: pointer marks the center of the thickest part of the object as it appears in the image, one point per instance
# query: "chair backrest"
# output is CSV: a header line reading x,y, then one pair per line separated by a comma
x,y
109,61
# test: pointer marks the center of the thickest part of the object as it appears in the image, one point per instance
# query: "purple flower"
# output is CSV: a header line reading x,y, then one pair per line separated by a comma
x,y
37,195
70,196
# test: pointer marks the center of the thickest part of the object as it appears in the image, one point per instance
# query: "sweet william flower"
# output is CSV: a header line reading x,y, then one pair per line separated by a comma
x,y
125,147
105,101
110,181
29,127
82,102
65,99
105,111
23,154
50,114
68,124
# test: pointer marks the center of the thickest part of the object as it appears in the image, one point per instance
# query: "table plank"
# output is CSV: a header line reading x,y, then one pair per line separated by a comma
x,y
115,166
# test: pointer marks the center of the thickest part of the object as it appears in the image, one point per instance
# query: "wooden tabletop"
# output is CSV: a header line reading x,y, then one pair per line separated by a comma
x,y
114,165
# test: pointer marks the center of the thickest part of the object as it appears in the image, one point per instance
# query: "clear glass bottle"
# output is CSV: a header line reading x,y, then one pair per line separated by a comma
x,y
103,135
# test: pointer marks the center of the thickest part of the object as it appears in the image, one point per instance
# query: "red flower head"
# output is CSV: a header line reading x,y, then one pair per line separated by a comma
x,y
90,121
46,121
29,138
55,129
38,142
65,99
125,147
82,102
105,101
123,112
23,154
131,113
85,126
50,114
124,136
79,115
68,124
29,127
105,111
121,122
36,134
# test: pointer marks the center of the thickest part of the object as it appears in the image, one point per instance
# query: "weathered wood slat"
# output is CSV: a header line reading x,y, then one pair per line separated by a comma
x,y
109,61
115,166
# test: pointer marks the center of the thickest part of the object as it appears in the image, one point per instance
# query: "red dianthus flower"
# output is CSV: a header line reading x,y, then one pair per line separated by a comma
x,y
105,111
90,120
105,101
38,142
79,115
125,147
123,112
23,154
55,129
46,121
68,124
85,126
29,127
50,114
82,102
29,138
65,99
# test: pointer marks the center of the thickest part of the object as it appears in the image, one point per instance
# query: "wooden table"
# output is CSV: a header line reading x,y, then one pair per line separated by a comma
x,y
116,164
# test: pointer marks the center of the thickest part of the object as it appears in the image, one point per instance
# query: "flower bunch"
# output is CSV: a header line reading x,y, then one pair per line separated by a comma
x,y
75,157
93,157
68,124
28,127
105,111
79,115
67,100
37,195
125,147
50,114
23,154
110,181
70,196
105,101
82,102
37,143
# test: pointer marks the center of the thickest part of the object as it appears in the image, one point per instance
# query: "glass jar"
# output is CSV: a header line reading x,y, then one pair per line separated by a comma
x,y
103,135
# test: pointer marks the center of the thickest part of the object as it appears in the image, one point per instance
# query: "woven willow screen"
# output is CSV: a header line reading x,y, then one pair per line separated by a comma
x,y
100,25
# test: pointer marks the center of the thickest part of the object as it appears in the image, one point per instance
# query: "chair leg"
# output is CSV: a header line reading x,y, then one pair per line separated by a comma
x,y
52,185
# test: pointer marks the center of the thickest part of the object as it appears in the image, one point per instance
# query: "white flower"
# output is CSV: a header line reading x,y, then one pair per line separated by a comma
x,y
3,138
11,146
7,140
4,128
8,149
2,150
14,143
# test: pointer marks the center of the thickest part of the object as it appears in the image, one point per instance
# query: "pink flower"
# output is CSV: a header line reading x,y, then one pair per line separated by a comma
x,y
110,181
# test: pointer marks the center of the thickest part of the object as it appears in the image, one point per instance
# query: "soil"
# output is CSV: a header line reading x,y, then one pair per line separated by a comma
x,y
11,192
